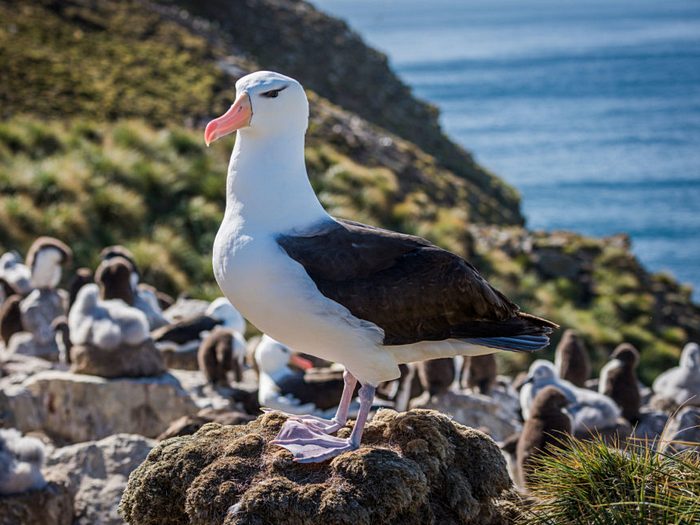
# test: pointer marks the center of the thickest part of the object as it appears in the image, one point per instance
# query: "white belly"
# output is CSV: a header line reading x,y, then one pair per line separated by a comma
x,y
276,294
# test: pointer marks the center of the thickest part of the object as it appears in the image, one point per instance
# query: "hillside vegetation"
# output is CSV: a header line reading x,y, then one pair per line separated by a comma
x,y
103,105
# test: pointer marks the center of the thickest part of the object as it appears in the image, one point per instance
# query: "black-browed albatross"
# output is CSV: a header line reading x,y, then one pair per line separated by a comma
x,y
346,292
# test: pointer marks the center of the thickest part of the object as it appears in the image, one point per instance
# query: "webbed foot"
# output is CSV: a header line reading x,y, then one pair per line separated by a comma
x,y
309,445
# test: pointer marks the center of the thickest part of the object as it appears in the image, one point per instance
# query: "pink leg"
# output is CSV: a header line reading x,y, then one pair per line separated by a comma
x,y
341,416
308,445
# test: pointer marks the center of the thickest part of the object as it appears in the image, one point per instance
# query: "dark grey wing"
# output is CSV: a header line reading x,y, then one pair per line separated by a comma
x,y
407,286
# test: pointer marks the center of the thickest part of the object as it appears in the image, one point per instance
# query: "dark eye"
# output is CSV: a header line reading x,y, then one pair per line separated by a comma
x,y
274,93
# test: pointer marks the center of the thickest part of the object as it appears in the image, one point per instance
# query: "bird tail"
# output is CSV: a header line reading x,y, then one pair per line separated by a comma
x,y
517,343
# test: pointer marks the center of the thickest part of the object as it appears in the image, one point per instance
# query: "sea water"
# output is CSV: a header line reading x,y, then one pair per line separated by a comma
x,y
590,109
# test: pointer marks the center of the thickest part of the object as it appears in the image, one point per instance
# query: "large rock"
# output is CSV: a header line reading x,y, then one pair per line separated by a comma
x,y
413,468
143,360
496,416
77,407
52,505
96,473
241,397
18,408
15,368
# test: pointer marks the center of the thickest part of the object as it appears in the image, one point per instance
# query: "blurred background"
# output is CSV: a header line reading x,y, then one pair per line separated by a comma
x,y
591,110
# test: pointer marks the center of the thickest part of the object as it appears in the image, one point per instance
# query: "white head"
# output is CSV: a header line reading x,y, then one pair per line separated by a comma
x,y
273,357
542,371
9,260
267,103
690,357
46,272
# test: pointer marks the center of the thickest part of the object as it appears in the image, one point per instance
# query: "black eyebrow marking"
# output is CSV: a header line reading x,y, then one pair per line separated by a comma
x,y
274,92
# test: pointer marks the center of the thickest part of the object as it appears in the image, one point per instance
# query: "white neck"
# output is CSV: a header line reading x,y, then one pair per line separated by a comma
x,y
267,185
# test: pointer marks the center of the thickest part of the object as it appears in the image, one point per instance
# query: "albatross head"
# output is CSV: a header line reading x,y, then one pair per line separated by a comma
x,y
266,103
272,357
541,372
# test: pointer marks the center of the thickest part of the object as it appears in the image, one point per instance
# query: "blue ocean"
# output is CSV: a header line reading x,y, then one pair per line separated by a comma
x,y
590,109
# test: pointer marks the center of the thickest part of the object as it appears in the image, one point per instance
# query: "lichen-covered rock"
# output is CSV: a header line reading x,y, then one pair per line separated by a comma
x,y
416,467
190,424
96,473
52,505
143,360
77,407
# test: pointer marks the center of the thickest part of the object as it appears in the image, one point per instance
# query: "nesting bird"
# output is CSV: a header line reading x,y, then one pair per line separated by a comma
x,y
105,324
60,326
219,312
10,318
681,384
571,359
113,275
144,298
21,459
358,295
15,273
45,259
436,375
223,311
618,381
296,392
479,373
81,277
590,410
222,351
547,427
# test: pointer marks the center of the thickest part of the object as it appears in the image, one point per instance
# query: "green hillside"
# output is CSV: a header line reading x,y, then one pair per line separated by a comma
x,y
102,108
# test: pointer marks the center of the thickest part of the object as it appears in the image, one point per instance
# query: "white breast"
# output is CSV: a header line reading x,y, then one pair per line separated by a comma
x,y
276,294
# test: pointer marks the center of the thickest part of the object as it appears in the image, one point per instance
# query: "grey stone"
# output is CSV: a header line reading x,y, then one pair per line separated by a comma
x,y
96,473
474,410
77,407
142,360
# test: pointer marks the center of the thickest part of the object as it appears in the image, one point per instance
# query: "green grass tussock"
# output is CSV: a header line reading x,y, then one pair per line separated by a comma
x,y
593,484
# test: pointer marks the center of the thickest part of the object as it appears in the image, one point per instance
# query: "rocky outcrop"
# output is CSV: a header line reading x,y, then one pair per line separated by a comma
x,y
75,407
143,360
95,474
596,286
53,505
416,468
488,414
190,424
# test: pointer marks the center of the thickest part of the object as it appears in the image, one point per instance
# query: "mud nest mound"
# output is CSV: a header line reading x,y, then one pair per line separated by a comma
x,y
417,467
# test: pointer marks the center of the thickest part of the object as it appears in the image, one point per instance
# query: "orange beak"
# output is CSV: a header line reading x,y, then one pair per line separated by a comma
x,y
238,116
300,362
